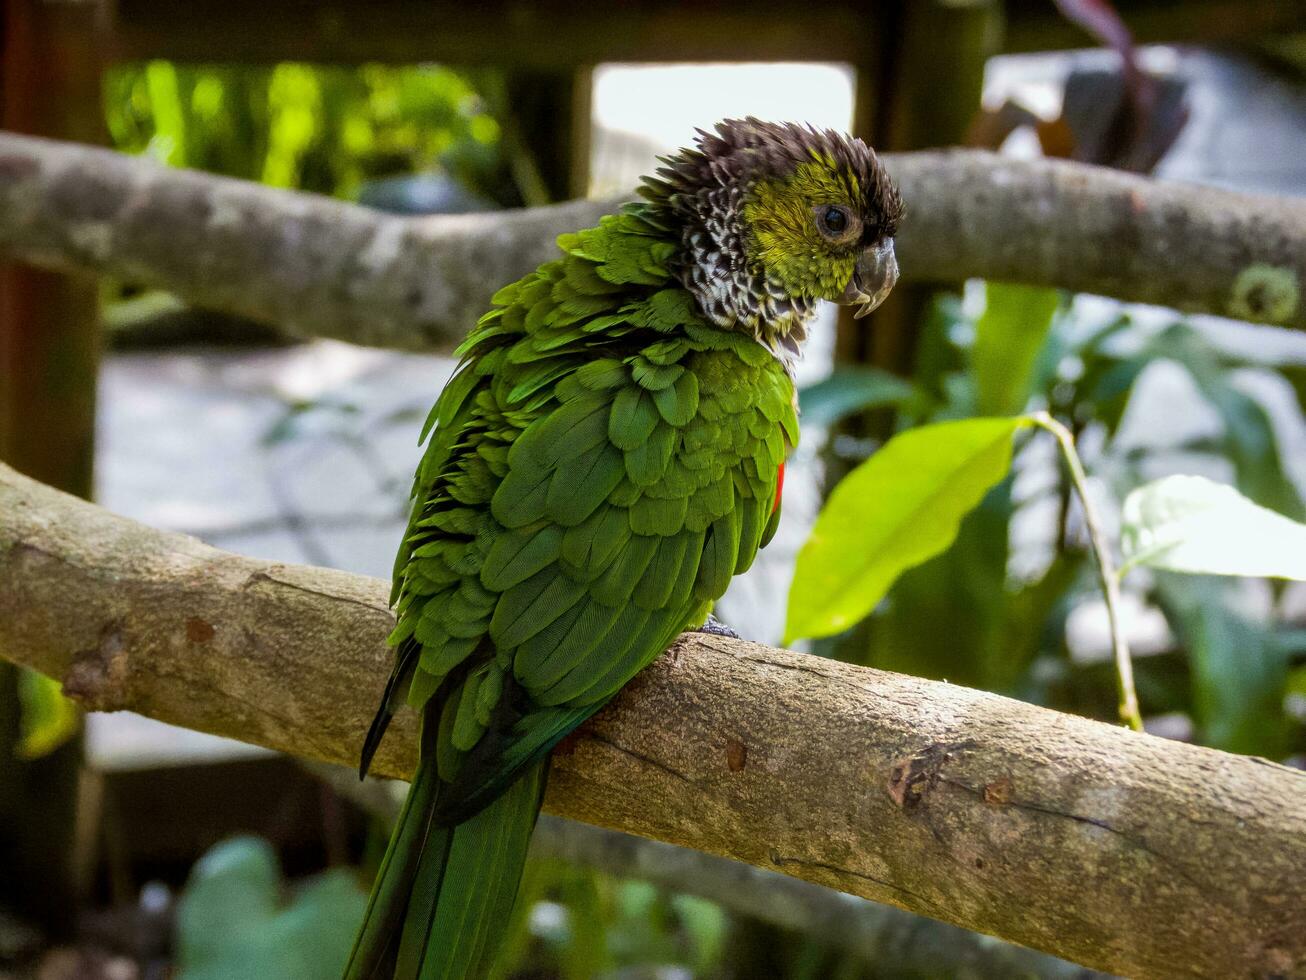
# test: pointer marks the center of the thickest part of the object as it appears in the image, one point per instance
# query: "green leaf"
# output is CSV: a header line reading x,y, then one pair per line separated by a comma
x,y
849,390
1107,385
964,586
899,508
1253,447
1239,672
1190,524
49,719
706,926
232,924
1008,336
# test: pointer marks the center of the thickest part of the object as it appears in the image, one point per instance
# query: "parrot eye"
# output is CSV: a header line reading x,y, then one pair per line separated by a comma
x,y
833,220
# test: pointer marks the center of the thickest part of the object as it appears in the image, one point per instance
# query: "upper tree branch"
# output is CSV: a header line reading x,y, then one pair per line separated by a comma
x,y
1122,851
320,267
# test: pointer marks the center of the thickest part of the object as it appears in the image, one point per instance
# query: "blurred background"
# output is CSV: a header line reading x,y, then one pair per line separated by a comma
x,y
130,849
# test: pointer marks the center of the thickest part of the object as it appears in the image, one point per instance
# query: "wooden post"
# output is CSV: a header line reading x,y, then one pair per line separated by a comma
x,y
49,334
552,112
49,356
918,89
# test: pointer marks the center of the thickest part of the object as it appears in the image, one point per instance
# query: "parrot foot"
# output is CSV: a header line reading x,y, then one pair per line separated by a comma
x,y
714,627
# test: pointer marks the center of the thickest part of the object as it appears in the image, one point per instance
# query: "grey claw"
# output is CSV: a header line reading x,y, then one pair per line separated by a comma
x,y
714,627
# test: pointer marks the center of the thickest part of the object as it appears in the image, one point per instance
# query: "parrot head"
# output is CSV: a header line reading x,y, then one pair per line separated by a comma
x,y
774,217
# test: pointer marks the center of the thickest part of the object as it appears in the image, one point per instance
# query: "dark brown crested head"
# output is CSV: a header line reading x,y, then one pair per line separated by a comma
x,y
774,217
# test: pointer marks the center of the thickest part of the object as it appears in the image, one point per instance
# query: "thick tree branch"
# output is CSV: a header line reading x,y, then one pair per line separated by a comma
x,y
869,930
1118,850
320,267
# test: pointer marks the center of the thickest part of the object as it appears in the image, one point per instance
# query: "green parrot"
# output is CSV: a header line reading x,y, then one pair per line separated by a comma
x,y
607,455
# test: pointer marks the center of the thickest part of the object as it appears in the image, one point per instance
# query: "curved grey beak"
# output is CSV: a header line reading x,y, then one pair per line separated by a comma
x,y
874,275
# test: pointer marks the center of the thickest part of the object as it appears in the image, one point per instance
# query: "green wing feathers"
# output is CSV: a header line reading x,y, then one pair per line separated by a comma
x,y
600,465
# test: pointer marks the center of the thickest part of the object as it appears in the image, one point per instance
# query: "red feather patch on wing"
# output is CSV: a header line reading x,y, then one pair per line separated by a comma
x,y
779,486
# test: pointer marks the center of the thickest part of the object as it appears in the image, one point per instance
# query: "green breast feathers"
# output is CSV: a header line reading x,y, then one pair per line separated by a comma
x,y
601,464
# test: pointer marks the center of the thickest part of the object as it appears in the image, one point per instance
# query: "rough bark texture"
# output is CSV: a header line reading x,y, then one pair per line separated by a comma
x,y
1094,230
871,931
313,265
1121,851
320,267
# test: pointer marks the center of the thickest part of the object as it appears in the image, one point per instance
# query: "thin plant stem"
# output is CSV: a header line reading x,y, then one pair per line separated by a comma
x,y
1106,572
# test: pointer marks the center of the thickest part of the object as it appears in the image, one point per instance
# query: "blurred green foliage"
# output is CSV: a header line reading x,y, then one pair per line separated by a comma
x,y
410,138
237,920
899,508
1009,335
848,390
1020,566
576,923
327,129
48,718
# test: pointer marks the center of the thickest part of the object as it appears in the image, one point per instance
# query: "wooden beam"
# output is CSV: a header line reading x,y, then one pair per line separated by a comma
x,y
550,34
512,32
1035,25
906,101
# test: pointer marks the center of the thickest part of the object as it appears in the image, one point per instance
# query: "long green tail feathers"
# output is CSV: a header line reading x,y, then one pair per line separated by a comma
x,y
443,894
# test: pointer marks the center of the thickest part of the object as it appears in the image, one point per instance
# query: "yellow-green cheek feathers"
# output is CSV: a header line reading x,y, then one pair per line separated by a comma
x,y
784,239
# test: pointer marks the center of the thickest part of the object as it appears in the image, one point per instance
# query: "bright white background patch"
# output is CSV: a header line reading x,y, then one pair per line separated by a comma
x,y
663,103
